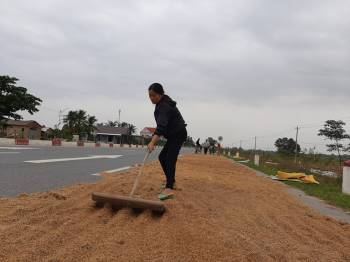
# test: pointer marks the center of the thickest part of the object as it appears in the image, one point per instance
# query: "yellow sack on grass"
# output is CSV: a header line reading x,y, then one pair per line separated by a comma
x,y
301,177
285,175
309,179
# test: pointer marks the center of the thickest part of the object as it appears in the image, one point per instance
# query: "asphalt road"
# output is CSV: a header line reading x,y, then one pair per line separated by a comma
x,y
62,166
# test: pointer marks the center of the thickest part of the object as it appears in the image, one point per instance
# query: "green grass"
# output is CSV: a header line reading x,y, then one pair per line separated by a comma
x,y
329,189
265,169
305,161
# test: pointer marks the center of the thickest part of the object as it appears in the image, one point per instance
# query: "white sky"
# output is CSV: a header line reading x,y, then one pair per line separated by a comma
x,y
236,68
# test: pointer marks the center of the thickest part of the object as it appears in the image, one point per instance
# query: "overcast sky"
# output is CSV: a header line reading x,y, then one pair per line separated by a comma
x,y
236,68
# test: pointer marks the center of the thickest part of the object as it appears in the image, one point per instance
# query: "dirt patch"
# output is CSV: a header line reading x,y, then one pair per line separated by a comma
x,y
222,212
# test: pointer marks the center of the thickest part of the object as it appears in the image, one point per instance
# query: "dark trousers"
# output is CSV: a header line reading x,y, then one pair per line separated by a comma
x,y
168,156
205,150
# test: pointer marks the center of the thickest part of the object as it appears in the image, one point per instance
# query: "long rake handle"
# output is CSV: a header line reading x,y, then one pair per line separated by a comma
x,y
136,182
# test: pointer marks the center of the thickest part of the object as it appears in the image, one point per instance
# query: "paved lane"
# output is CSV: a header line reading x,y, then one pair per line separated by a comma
x,y
18,176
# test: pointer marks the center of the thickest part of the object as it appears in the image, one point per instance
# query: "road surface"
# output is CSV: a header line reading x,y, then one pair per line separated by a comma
x,y
27,169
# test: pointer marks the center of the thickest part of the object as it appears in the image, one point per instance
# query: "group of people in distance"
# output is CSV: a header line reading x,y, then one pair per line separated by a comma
x,y
209,146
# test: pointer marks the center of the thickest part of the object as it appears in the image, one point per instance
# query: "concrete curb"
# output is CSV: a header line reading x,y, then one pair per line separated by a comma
x,y
48,143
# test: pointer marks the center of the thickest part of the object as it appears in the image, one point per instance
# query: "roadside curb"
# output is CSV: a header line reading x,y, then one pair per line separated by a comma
x,y
117,170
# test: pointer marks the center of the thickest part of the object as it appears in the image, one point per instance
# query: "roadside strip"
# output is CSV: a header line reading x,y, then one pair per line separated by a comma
x,y
113,171
17,148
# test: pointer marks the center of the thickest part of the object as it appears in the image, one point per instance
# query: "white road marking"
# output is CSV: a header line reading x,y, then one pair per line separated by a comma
x,y
72,159
113,170
9,152
118,169
17,147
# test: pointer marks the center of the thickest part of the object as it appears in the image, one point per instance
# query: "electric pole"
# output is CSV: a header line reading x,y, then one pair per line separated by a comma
x,y
119,115
255,145
296,145
314,152
60,117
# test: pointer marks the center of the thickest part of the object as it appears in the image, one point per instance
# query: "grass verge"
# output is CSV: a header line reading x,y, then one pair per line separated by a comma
x,y
329,189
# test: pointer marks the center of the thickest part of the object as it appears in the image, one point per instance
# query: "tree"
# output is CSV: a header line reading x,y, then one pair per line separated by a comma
x,y
70,121
57,133
79,123
112,123
90,128
15,98
212,141
334,131
286,146
131,129
220,138
189,141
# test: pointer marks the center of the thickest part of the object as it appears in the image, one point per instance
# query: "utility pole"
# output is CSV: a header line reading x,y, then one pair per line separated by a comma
x,y
255,145
256,156
60,117
119,124
296,145
240,144
314,152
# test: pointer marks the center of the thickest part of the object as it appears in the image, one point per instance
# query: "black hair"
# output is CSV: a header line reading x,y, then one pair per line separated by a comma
x,y
156,87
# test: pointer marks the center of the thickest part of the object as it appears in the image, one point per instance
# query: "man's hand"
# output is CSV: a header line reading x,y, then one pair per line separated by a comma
x,y
150,147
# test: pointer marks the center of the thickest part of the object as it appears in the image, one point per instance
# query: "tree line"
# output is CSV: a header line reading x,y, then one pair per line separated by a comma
x,y
82,124
333,131
15,98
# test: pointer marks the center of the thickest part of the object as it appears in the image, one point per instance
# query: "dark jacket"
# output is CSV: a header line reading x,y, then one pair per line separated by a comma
x,y
168,117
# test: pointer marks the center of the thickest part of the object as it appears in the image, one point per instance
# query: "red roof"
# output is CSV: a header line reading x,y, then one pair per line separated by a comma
x,y
151,129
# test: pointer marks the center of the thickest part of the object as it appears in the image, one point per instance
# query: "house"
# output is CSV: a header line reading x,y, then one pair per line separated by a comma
x,y
46,132
21,129
109,134
147,132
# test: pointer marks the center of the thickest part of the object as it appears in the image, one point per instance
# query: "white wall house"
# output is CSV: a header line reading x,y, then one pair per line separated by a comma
x,y
147,131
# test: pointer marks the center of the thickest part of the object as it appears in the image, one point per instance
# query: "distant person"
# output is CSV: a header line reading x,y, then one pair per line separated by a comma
x,y
172,126
212,149
198,146
206,146
219,149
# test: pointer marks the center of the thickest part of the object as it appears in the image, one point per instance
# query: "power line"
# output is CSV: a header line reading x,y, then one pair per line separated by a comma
x,y
262,137
50,109
303,126
310,126
276,134
314,124
312,143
